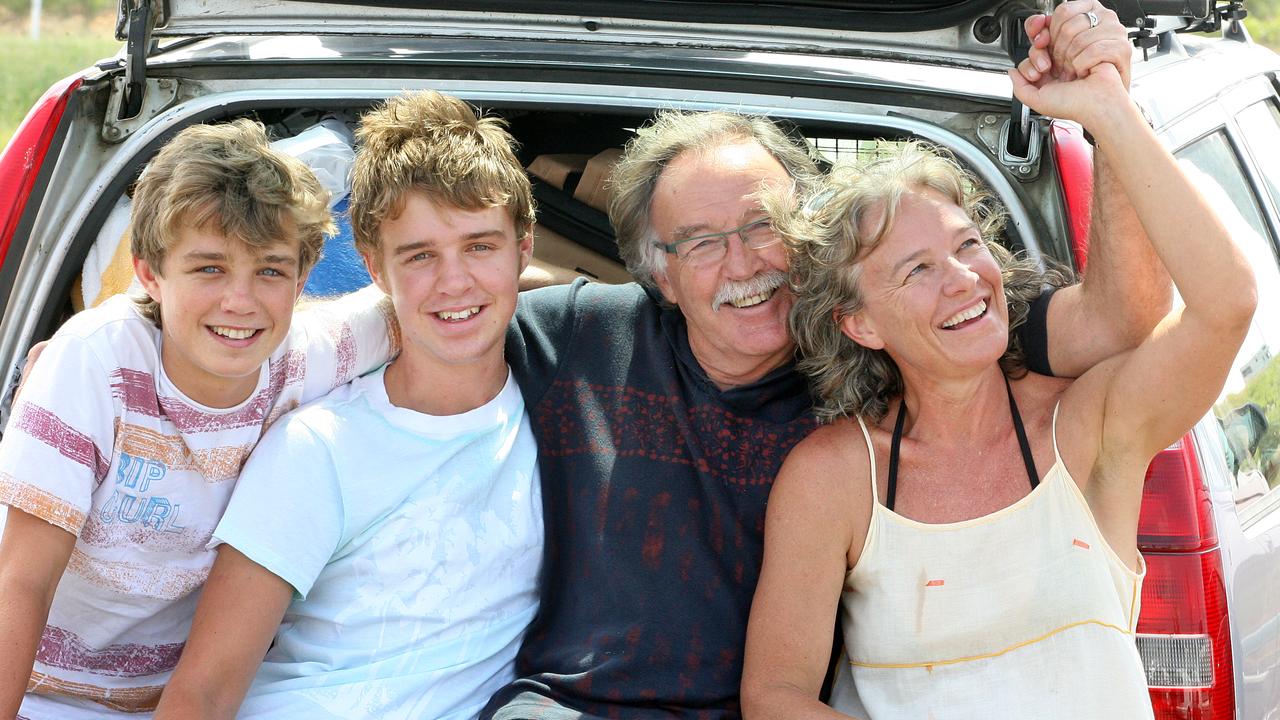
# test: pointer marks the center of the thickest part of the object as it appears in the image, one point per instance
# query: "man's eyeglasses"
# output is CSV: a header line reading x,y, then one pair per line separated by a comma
x,y
710,249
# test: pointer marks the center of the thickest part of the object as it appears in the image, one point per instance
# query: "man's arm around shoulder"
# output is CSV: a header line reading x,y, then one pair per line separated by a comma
x,y
1125,290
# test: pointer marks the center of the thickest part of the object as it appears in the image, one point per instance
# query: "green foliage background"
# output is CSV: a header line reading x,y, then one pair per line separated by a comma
x,y
1264,22
74,34
59,8
42,64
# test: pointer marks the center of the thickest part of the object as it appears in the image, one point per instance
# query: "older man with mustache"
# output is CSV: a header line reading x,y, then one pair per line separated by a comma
x,y
664,409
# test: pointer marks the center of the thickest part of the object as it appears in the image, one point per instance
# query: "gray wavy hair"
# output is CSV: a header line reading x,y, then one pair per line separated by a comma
x,y
845,217
666,137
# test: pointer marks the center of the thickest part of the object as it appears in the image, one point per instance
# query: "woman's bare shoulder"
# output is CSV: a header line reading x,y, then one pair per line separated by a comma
x,y
825,483
841,439
831,460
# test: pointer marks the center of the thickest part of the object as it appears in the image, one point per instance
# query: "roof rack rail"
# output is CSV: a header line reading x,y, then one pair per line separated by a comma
x,y
1133,11
1226,12
1182,16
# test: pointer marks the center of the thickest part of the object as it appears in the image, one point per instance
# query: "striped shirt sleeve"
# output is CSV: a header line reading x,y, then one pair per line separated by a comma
x,y
57,447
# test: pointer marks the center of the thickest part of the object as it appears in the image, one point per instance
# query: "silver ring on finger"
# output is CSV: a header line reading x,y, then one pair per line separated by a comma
x,y
1092,17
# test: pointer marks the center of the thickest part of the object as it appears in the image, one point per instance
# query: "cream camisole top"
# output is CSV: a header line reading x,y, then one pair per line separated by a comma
x,y
1022,613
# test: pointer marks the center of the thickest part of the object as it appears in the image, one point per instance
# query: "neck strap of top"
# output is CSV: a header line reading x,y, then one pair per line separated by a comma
x,y
1027,459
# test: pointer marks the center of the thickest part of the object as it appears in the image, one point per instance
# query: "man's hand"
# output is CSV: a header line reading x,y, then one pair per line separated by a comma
x,y
1074,70
1066,45
1077,54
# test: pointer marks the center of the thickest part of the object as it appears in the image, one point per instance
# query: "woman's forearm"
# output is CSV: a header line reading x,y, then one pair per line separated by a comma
x,y
1211,274
777,701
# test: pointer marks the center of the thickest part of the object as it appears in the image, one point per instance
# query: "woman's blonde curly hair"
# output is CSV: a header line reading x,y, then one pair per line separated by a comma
x,y
829,233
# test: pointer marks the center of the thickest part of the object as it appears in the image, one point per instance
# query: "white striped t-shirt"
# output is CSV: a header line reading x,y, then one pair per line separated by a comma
x,y
104,446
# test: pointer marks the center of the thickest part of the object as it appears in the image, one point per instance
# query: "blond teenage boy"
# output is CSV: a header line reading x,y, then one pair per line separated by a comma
x,y
129,435
395,525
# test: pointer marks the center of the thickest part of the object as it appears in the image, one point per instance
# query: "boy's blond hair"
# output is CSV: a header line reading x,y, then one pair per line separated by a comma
x,y
438,145
226,178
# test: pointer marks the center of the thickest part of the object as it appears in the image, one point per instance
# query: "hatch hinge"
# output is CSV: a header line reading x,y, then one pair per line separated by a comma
x,y
156,95
1016,140
135,19
994,129
1225,16
1144,37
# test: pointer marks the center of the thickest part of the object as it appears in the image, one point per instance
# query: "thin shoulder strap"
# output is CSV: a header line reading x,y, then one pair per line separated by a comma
x,y
891,495
1028,460
871,455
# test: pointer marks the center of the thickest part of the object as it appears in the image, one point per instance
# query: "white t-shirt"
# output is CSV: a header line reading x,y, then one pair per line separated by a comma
x,y
413,543
104,446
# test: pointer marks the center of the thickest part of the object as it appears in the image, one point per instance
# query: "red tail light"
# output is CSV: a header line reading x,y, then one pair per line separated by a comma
x,y
1183,633
25,153
1176,514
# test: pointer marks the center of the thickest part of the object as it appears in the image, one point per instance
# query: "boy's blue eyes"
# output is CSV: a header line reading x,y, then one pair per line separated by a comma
x,y
479,247
214,270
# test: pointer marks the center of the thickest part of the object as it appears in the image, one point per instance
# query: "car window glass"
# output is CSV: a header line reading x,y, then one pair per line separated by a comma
x,y
1248,410
1260,127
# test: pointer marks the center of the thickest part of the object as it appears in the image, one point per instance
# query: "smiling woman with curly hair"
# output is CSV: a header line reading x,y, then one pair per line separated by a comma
x,y
969,582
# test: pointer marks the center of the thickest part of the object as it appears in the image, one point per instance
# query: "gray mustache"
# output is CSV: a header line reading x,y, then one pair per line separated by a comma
x,y
733,290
